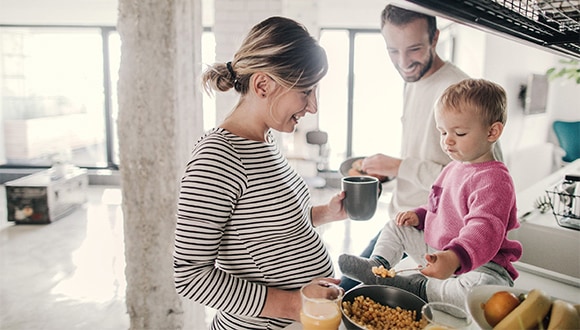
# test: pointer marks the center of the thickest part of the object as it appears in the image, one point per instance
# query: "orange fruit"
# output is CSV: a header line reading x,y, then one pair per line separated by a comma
x,y
498,306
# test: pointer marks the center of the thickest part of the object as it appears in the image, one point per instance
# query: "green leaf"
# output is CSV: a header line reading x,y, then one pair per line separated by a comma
x,y
570,69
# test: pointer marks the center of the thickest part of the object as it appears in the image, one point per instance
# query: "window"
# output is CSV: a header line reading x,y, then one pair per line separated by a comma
x,y
58,95
361,97
57,84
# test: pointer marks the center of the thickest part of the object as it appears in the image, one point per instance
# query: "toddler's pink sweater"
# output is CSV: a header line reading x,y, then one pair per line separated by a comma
x,y
471,208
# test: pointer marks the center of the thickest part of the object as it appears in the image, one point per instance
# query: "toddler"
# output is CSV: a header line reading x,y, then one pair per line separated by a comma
x,y
460,235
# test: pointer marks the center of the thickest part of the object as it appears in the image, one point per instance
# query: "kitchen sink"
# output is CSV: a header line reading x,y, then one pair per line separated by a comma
x,y
551,248
548,247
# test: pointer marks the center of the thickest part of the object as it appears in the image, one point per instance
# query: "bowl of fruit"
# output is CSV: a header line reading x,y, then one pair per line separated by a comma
x,y
500,307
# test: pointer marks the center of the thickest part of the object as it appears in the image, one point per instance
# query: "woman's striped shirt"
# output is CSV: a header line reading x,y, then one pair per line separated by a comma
x,y
243,224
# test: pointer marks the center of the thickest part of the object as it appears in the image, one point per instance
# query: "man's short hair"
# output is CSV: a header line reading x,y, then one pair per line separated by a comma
x,y
399,17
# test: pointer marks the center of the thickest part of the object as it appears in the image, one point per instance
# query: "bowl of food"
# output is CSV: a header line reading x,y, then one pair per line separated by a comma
x,y
353,167
389,305
479,296
495,306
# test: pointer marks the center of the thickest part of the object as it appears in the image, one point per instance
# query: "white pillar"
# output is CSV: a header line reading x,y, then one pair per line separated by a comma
x,y
159,119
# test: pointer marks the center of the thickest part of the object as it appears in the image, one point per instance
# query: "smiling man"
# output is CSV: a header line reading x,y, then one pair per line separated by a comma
x,y
411,39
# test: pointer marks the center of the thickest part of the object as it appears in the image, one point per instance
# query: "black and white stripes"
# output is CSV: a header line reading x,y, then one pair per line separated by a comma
x,y
243,225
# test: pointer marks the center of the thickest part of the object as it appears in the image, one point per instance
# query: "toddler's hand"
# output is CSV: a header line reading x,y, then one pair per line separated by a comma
x,y
408,218
441,265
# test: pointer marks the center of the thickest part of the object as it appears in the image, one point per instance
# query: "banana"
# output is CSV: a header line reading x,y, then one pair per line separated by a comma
x,y
529,312
563,316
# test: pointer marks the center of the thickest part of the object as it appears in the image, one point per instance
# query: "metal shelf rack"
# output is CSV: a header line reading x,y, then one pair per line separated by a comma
x,y
553,24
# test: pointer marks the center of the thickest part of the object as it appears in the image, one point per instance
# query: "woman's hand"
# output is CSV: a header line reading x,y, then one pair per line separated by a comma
x,y
282,303
408,218
332,211
287,304
336,207
326,287
441,264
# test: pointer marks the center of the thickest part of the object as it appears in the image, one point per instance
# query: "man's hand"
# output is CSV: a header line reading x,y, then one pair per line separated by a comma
x,y
382,165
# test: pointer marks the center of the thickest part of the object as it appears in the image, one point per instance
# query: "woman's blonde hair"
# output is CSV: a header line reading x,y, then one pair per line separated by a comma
x,y
486,98
280,47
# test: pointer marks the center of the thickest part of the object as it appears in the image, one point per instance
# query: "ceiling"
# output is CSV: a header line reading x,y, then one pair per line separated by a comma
x,y
550,24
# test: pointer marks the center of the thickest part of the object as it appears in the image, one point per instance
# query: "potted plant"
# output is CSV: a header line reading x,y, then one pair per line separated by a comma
x,y
570,69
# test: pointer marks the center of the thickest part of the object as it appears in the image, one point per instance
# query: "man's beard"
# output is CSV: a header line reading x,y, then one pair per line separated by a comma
x,y
424,70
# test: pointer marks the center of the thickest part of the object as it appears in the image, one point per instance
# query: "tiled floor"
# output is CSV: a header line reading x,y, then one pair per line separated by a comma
x,y
70,274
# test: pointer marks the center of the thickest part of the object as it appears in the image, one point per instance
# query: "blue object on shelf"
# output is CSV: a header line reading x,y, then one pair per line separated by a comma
x,y
568,134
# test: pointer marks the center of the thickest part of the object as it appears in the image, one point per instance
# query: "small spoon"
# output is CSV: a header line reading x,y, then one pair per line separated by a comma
x,y
382,272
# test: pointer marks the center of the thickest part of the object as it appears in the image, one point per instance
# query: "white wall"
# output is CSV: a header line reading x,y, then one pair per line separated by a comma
x,y
524,140
469,50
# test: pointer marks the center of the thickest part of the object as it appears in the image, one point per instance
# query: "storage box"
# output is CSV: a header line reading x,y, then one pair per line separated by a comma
x,y
43,197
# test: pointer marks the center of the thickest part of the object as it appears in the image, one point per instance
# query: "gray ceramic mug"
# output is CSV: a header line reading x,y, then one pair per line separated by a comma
x,y
361,196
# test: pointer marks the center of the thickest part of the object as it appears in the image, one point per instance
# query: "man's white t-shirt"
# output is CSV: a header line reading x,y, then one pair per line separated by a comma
x,y
422,156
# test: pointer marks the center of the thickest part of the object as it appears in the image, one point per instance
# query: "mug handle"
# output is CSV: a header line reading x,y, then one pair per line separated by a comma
x,y
380,189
